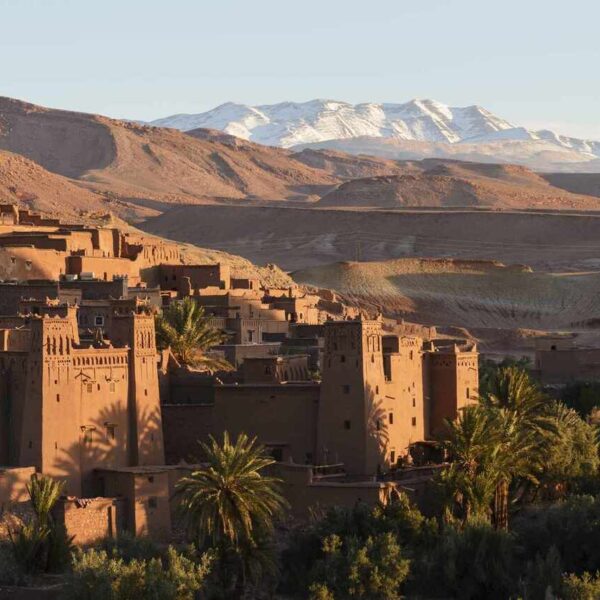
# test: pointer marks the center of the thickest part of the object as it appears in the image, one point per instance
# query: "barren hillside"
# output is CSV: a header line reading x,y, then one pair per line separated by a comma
x,y
143,170
452,183
24,182
295,238
579,183
471,294
152,164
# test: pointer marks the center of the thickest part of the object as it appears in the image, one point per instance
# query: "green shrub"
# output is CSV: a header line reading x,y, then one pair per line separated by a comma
x,y
41,545
572,526
586,587
361,522
129,547
466,563
374,569
96,575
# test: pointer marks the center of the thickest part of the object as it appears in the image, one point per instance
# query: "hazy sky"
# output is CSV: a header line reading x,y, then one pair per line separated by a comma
x,y
534,62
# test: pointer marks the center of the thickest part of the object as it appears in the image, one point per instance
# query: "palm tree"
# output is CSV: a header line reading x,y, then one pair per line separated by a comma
x,y
44,492
229,500
489,448
230,504
513,389
185,329
469,481
516,453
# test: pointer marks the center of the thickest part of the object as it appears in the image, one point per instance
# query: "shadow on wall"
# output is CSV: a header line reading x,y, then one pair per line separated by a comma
x,y
378,437
104,443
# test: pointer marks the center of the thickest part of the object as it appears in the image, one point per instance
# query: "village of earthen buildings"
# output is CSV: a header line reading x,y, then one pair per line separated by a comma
x,y
348,404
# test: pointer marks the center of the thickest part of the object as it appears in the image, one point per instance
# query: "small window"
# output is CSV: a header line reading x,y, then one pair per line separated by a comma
x,y
553,347
110,432
99,321
112,386
468,393
414,402
347,424
411,355
343,358
378,425
372,358
391,418
90,388
346,389
151,479
414,421
145,392
58,397
377,389
152,502
393,457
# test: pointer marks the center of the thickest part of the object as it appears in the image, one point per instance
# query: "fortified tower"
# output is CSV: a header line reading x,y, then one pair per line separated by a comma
x,y
349,424
453,380
51,412
145,429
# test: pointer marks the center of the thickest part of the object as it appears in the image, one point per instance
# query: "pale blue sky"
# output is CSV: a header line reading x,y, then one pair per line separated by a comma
x,y
534,62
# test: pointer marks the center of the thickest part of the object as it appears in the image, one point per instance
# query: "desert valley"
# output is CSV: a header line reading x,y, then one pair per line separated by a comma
x,y
505,253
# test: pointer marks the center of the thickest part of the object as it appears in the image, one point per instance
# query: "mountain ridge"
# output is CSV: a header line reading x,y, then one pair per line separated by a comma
x,y
322,121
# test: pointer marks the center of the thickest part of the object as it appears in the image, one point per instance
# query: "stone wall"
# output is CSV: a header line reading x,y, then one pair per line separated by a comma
x,y
90,520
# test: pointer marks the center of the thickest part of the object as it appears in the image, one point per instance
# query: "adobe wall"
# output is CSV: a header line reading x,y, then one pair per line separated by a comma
x,y
138,332
237,353
13,485
146,492
90,520
98,289
11,294
183,426
200,276
348,401
304,493
104,268
569,364
274,369
22,263
279,415
404,415
453,383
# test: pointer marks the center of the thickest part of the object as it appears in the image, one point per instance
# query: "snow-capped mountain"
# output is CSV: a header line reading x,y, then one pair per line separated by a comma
x,y
299,123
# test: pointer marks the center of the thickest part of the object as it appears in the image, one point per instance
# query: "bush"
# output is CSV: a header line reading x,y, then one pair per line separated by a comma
x,y
129,547
586,587
374,569
469,563
98,576
305,547
572,526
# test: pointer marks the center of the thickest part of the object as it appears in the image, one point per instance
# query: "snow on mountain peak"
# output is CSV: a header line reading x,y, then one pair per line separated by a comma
x,y
288,124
